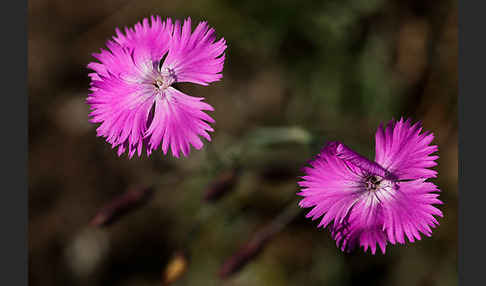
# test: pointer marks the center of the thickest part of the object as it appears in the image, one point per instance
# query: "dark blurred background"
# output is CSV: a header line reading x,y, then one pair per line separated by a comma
x,y
297,74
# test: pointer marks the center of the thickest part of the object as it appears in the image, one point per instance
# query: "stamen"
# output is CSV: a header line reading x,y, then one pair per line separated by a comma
x,y
374,183
162,82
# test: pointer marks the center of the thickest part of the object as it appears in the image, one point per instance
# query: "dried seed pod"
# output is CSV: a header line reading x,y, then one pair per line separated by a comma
x,y
257,243
223,184
244,255
122,205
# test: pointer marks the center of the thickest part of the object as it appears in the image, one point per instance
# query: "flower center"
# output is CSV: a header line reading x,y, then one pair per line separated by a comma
x,y
372,183
164,79
162,82
376,183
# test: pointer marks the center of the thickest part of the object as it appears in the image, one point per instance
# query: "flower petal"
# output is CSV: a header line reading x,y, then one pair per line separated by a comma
x,y
350,234
402,150
154,35
410,211
195,57
178,122
331,187
117,100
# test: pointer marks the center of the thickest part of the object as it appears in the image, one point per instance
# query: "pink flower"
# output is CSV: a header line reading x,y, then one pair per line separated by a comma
x,y
368,203
131,87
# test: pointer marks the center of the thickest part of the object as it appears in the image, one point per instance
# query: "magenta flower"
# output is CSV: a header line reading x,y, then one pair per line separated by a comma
x,y
372,203
131,88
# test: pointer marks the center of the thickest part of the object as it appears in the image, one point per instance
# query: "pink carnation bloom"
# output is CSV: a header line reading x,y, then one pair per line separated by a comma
x,y
131,87
372,203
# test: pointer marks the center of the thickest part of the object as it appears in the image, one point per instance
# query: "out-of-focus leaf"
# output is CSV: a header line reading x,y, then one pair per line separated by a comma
x,y
267,136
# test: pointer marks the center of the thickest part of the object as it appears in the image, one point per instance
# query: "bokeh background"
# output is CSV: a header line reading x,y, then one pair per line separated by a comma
x,y
297,74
